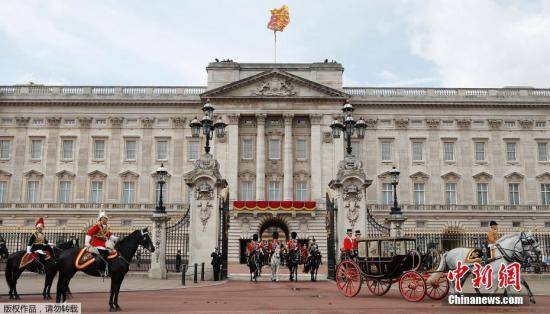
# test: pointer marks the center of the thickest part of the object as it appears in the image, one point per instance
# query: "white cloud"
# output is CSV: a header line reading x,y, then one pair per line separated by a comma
x,y
484,43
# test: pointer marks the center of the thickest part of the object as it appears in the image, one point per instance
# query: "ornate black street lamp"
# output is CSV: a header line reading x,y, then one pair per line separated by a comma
x,y
348,126
162,173
207,125
394,175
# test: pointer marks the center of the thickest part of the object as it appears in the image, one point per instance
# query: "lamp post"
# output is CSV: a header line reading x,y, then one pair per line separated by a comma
x,y
161,173
207,125
348,126
394,174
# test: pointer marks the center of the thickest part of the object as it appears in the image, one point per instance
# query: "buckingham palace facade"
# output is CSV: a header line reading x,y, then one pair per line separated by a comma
x,y
466,156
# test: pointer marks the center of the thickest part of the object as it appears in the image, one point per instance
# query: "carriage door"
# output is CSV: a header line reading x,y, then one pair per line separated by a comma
x,y
223,234
331,245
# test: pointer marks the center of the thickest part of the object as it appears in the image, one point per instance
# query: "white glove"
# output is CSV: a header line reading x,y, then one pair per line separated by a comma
x,y
87,240
28,249
113,238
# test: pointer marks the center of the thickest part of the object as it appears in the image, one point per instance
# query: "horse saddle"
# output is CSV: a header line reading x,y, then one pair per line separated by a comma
x,y
85,259
476,255
30,257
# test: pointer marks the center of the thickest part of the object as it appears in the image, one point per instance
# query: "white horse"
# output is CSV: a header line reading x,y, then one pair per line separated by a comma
x,y
275,262
515,247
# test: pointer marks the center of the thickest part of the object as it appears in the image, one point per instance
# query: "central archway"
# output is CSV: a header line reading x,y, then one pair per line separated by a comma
x,y
273,224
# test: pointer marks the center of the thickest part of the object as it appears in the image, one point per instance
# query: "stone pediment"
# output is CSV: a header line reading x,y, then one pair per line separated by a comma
x,y
275,84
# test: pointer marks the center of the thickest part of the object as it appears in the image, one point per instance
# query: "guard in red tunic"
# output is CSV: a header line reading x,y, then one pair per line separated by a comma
x,y
292,244
254,246
347,245
274,244
96,242
304,253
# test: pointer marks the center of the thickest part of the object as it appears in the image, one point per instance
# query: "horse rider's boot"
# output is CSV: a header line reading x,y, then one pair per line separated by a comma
x,y
485,255
100,266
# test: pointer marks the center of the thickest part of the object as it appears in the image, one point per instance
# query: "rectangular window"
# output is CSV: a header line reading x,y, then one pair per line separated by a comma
x,y
417,148
193,150
385,150
450,193
248,149
418,192
482,193
274,149
516,224
247,191
96,192
64,191
479,123
36,149
100,121
274,191
3,191
162,150
70,121
32,191
484,224
67,150
545,193
543,151
5,149
513,189
420,224
301,191
449,151
99,150
540,124
356,149
511,153
509,124
157,193
387,193
130,149
301,149
416,123
480,151
129,192
448,123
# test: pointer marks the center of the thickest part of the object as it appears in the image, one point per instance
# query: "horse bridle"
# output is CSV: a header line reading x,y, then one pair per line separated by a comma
x,y
515,257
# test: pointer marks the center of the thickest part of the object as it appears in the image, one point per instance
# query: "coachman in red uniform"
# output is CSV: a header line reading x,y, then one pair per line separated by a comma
x,y
347,245
96,242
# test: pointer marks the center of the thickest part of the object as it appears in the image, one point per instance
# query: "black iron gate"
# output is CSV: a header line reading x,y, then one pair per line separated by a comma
x,y
331,239
223,234
177,243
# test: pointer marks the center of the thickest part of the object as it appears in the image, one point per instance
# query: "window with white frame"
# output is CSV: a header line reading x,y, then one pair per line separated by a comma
x,y
96,193
448,151
513,193
511,151
301,149
387,193
5,149
540,124
418,193
301,191
128,192
356,149
450,193
193,150
162,149
479,151
545,193
542,151
36,149
99,149
482,193
64,191
247,191
274,191
385,151
32,191
274,148
164,195
509,124
3,191
448,123
67,148
130,150
248,149
417,151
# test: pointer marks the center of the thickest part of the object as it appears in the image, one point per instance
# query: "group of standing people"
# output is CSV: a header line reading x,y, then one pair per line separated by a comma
x,y
266,248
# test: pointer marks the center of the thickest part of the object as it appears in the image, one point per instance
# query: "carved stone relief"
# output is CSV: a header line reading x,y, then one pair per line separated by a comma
x,y
275,87
205,211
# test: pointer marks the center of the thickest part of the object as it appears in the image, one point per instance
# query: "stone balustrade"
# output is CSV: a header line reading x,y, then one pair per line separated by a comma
x,y
88,206
485,208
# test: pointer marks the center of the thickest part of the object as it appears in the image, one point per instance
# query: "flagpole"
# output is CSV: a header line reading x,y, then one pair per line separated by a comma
x,y
275,46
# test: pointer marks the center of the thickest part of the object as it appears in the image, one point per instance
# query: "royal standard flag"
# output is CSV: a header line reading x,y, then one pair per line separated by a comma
x,y
279,19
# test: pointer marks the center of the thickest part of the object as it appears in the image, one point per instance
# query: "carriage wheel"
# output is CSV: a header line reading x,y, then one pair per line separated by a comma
x,y
348,278
378,287
412,286
438,289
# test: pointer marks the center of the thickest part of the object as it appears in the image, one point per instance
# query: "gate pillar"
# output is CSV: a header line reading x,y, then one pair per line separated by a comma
x,y
158,260
206,185
349,189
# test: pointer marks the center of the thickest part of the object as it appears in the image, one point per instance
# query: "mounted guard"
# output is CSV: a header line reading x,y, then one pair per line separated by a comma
x,y
100,242
38,243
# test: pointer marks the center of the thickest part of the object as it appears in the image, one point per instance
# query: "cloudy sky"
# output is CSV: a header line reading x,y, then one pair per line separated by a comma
x,y
458,43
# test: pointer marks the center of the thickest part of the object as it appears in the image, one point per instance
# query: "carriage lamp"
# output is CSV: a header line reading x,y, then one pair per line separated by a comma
x,y
162,173
348,126
394,175
207,125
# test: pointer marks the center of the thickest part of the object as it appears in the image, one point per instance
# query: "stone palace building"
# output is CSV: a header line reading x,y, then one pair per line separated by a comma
x,y
466,156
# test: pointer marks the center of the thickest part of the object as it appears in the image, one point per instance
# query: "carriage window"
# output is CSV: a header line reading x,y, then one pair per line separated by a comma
x,y
362,249
373,249
387,248
400,247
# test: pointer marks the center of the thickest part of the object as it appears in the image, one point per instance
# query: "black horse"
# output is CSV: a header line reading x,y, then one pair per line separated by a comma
x,y
119,266
49,267
254,265
313,265
292,262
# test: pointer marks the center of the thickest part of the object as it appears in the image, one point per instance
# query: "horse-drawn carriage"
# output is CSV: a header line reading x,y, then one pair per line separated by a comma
x,y
380,262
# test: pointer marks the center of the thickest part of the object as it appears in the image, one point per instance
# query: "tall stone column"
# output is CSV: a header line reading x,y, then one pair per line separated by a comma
x,y
233,155
315,157
206,185
50,152
260,157
18,195
82,158
288,161
158,260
